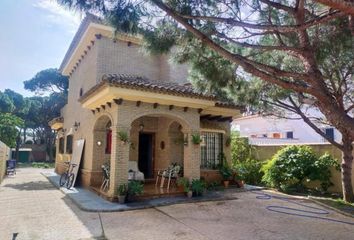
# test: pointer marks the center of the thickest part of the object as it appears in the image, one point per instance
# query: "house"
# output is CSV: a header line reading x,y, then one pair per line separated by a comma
x,y
265,130
116,90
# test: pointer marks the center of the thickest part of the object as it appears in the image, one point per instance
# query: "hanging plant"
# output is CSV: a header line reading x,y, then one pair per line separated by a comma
x,y
123,136
196,139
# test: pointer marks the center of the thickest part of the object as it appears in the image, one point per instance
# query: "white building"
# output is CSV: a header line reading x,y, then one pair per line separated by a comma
x,y
271,130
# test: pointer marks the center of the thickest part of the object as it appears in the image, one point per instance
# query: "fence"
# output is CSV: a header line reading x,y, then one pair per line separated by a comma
x,y
4,155
265,152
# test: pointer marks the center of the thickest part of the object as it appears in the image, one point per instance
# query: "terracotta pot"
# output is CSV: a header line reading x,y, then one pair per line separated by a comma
x,y
226,183
121,199
190,194
180,188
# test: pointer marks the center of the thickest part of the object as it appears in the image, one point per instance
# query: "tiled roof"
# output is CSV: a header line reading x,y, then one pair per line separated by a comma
x,y
144,84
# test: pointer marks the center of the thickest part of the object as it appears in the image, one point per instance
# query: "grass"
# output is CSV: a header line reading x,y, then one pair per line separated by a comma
x,y
36,165
338,203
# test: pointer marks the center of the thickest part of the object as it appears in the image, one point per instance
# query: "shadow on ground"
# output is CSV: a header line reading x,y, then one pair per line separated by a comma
x,y
31,186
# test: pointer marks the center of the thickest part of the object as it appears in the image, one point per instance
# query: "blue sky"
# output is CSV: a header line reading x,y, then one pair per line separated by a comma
x,y
35,35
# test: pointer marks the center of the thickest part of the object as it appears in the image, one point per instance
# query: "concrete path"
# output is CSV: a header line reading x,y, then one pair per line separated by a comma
x,y
89,201
33,208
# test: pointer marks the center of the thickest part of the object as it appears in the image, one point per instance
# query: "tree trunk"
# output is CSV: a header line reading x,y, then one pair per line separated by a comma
x,y
24,134
17,149
347,162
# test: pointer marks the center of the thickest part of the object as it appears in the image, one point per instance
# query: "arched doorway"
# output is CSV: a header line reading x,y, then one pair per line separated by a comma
x,y
102,147
156,143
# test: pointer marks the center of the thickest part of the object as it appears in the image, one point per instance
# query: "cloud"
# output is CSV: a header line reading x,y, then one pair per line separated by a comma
x,y
58,15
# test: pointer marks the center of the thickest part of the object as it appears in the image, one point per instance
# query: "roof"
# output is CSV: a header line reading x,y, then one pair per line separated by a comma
x,y
144,84
89,18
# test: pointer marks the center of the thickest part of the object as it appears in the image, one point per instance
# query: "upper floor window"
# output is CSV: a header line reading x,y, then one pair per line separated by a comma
x,y
211,150
290,135
69,144
61,145
276,135
329,133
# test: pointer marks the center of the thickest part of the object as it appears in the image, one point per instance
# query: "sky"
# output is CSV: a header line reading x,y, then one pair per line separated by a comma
x,y
34,35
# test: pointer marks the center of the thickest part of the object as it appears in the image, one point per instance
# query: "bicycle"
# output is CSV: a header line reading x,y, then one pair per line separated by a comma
x,y
67,178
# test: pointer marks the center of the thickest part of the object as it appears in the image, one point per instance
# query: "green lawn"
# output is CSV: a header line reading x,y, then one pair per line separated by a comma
x,y
338,203
36,165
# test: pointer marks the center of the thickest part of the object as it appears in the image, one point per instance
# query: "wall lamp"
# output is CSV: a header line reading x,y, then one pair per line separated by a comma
x,y
76,125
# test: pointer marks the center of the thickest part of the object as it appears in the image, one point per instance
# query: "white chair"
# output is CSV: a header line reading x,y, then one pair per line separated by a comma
x,y
134,173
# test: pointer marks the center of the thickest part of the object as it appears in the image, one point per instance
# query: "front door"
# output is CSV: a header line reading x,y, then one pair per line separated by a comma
x,y
145,163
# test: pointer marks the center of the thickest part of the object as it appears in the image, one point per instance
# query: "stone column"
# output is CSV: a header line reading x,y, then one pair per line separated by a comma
x,y
119,159
191,157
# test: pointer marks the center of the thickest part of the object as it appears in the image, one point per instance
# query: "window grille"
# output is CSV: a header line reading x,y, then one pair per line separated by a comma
x,y
211,150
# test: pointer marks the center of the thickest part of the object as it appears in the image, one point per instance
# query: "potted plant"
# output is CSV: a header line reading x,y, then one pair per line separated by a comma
x,y
135,188
198,187
122,193
183,184
226,174
123,136
196,139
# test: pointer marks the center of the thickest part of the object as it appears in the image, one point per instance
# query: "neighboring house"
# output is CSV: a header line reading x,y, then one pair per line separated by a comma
x,y
115,88
271,130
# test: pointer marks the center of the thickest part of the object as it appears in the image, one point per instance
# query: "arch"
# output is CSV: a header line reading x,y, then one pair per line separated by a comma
x,y
186,125
102,122
100,155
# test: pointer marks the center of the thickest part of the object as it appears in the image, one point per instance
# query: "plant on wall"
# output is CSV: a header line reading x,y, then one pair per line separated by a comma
x,y
123,136
196,139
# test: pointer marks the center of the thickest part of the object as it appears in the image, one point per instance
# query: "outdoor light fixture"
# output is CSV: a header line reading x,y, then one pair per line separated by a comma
x,y
141,127
76,125
99,143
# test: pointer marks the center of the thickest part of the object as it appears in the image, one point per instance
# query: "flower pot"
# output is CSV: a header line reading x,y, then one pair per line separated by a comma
x,y
121,199
226,183
190,194
180,188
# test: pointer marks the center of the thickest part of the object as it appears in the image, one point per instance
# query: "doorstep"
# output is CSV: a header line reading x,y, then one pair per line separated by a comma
x,y
86,200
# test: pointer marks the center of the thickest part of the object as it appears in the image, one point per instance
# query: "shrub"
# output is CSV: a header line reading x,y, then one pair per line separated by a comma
x,y
122,190
249,171
226,172
135,188
198,187
241,150
184,182
294,165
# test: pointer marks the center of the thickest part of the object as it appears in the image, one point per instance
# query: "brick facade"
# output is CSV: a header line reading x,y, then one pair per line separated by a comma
x,y
106,56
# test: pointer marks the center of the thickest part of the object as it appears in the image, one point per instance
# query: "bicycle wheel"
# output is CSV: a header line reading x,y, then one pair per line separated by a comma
x,y
63,179
70,181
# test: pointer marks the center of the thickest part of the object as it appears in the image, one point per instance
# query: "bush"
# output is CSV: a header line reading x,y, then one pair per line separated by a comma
x,y
241,150
135,188
198,187
294,165
249,171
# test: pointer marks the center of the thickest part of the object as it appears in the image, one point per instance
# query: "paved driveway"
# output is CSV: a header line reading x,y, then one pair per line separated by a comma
x,y
33,208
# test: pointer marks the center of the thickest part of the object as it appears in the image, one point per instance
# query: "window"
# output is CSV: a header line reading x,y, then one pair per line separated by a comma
x,y
290,135
211,150
276,135
61,145
69,144
329,133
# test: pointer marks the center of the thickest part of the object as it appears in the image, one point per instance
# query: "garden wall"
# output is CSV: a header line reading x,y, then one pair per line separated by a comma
x,y
4,155
265,152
